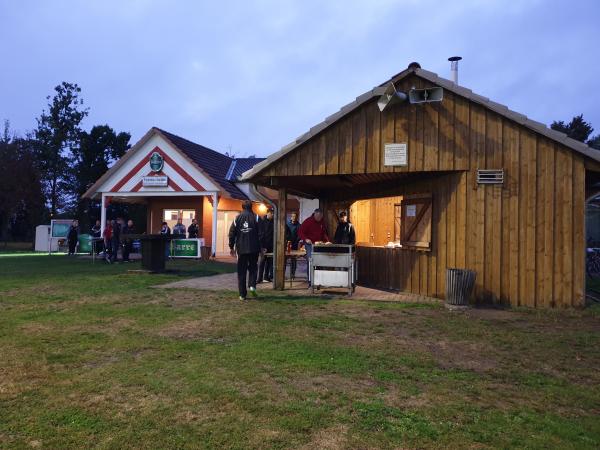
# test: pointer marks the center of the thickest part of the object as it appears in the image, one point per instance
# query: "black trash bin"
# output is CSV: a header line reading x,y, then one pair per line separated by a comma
x,y
459,285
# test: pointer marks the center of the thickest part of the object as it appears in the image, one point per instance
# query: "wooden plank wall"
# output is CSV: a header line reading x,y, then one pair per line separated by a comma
x,y
522,238
525,239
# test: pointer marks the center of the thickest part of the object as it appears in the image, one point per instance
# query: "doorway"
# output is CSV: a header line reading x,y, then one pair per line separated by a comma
x,y
224,220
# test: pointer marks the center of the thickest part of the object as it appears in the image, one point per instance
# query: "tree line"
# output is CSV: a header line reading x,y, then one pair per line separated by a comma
x,y
48,169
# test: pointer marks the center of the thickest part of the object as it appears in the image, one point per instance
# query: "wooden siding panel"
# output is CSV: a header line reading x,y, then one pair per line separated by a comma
x,y
359,146
402,131
462,127
331,151
493,201
544,223
387,136
478,206
430,136
527,223
446,146
579,238
372,136
345,146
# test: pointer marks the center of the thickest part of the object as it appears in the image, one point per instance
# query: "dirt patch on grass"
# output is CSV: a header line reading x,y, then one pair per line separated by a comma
x,y
331,438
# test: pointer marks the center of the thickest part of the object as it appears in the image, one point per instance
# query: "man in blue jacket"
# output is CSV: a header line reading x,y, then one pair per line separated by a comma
x,y
244,242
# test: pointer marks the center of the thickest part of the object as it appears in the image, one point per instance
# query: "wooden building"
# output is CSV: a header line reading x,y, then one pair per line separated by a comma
x,y
415,175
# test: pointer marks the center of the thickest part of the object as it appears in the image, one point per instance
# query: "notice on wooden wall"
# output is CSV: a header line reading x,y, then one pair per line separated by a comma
x,y
411,210
395,154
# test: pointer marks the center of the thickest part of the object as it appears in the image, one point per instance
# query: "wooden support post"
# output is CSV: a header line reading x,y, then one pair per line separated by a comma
x,y
280,240
102,214
215,205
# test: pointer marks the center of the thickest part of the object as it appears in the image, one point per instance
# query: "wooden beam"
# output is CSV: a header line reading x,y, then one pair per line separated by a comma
x,y
280,240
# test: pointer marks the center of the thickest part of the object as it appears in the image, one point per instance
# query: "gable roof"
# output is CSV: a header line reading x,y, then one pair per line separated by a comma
x,y
377,91
213,164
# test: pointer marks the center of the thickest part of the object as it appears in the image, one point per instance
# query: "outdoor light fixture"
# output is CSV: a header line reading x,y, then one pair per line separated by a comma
x,y
262,208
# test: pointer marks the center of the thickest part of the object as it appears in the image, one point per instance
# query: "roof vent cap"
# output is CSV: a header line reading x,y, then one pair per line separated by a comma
x,y
414,65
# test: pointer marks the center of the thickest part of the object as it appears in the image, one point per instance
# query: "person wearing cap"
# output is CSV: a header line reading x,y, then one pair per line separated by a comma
x,y
312,231
344,234
244,243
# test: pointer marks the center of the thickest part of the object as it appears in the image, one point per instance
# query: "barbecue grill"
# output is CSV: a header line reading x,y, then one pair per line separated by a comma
x,y
333,265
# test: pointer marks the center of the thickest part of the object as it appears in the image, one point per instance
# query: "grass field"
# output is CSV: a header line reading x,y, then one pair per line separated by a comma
x,y
91,356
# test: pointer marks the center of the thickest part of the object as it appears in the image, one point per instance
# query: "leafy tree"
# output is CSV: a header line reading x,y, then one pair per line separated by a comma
x,y
96,152
21,193
58,132
578,129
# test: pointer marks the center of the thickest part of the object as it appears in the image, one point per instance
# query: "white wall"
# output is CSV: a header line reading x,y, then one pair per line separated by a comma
x,y
307,207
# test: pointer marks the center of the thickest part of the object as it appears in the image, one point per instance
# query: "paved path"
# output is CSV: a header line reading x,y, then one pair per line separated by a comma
x,y
228,282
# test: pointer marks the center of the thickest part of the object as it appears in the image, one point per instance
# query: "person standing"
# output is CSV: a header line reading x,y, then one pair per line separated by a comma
x,y
179,229
193,230
244,241
95,232
313,231
266,232
166,231
107,236
115,240
127,241
72,236
291,236
344,234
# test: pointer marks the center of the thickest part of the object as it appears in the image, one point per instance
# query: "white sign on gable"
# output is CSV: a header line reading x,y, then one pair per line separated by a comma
x,y
395,154
154,181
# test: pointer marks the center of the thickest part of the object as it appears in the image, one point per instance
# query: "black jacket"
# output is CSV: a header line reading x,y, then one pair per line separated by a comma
x,y
243,234
266,229
291,234
345,234
193,231
116,231
73,234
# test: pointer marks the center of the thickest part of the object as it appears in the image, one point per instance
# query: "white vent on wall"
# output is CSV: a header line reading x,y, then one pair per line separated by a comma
x,y
485,176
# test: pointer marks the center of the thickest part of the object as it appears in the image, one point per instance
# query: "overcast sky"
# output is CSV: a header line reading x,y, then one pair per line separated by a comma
x,y
253,75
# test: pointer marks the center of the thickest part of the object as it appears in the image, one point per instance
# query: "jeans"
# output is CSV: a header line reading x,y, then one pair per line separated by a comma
x,y
308,248
246,264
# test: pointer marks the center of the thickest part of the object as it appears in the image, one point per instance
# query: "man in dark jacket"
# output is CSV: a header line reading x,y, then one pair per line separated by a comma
x,y
243,240
127,241
266,230
291,235
95,232
115,241
193,230
344,234
72,236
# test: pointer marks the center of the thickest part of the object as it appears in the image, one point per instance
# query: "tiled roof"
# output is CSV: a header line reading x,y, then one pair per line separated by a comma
x,y
215,164
377,91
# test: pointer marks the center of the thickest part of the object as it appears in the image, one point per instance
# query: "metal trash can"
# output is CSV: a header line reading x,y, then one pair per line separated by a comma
x,y
459,285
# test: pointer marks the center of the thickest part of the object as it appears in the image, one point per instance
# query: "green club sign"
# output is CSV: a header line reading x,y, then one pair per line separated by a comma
x,y
156,162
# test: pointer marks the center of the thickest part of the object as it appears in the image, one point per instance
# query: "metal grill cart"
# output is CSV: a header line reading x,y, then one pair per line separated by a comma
x,y
333,265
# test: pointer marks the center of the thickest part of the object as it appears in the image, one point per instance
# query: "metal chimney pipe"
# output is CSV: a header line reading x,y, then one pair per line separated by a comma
x,y
454,67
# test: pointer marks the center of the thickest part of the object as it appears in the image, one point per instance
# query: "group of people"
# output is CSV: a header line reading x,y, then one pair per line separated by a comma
x,y
179,232
114,237
250,237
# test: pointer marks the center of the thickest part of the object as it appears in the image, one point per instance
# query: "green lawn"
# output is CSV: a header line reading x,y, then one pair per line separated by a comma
x,y
92,356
